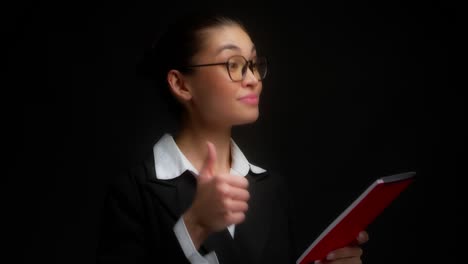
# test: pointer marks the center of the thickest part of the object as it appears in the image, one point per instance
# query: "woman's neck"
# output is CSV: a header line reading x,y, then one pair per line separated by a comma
x,y
191,140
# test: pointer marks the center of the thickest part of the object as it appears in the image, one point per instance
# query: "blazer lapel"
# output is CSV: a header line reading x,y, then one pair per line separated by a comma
x,y
186,185
175,195
251,235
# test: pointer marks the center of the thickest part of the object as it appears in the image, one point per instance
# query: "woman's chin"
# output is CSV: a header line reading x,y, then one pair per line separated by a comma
x,y
248,119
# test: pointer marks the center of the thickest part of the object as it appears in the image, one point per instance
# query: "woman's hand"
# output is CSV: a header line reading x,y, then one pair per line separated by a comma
x,y
220,201
347,255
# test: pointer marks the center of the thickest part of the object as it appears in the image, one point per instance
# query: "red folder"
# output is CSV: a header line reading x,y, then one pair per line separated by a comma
x,y
345,228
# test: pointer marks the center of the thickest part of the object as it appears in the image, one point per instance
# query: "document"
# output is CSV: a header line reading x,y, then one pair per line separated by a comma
x,y
357,216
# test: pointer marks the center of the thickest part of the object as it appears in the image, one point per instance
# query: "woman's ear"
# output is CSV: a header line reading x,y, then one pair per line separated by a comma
x,y
178,86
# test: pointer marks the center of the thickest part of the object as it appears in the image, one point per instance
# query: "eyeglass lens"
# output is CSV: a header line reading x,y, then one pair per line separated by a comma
x,y
237,67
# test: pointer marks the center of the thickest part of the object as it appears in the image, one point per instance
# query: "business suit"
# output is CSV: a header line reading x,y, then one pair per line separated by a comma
x,y
141,211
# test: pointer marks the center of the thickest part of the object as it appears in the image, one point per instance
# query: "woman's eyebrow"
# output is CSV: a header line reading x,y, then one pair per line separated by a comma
x,y
232,47
227,47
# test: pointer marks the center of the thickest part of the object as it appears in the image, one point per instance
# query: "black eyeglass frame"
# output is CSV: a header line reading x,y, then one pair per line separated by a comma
x,y
250,64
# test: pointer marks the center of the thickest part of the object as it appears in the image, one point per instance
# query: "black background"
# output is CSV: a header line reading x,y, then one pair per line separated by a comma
x,y
356,90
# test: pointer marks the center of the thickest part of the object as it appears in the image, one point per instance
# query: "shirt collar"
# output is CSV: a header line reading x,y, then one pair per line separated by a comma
x,y
170,162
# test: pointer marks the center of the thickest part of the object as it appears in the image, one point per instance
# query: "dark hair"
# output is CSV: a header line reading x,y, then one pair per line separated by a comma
x,y
176,47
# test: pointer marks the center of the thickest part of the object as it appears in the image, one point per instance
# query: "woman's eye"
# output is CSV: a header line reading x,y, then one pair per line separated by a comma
x,y
233,65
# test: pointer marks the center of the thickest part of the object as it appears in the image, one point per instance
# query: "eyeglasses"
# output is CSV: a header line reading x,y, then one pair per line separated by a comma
x,y
237,67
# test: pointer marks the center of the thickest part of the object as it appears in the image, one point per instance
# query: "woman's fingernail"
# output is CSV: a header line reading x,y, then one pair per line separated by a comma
x,y
330,256
317,262
360,236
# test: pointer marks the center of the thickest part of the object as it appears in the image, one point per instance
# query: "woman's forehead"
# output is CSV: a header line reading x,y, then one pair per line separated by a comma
x,y
226,38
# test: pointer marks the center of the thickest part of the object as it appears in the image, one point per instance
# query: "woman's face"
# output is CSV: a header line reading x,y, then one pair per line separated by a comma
x,y
216,99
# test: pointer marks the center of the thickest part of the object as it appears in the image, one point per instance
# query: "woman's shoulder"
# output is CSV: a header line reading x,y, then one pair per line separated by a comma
x,y
133,174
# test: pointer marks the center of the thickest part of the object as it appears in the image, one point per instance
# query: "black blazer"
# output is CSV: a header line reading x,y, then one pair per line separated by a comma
x,y
140,212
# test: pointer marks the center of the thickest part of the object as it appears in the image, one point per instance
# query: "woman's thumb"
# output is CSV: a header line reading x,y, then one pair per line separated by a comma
x,y
208,167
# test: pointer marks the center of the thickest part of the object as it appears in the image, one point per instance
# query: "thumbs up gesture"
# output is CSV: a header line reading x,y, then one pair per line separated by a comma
x,y
220,200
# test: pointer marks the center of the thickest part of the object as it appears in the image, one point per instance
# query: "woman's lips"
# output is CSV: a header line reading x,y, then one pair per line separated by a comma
x,y
249,99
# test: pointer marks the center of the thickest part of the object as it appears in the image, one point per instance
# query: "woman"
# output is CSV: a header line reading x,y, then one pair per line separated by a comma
x,y
197,199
